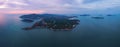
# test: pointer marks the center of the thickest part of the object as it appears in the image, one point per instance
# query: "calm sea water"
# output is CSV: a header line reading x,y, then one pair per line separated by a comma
x,y
89,33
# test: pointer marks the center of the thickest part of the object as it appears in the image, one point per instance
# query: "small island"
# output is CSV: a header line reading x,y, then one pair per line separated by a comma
x,y
85,15
97,17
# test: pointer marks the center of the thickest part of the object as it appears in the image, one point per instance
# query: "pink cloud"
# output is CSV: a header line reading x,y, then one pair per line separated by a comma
x,y
22,11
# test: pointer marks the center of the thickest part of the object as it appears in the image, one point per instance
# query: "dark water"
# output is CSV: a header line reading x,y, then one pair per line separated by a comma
x,y
89,33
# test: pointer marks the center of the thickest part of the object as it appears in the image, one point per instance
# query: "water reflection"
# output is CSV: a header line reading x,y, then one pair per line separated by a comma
x,y
51,21
2,19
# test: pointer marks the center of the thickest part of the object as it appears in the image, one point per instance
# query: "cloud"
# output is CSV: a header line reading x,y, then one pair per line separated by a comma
x,y
91,4
61,5
21,11
103,4
12,4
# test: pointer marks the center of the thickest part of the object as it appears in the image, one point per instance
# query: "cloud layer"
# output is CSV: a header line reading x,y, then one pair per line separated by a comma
x,y
60,5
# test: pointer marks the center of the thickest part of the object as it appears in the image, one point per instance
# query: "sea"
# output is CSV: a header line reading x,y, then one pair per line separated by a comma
x,y
90,32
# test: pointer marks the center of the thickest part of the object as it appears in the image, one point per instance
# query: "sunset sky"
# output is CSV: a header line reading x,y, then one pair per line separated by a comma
x,y
60,6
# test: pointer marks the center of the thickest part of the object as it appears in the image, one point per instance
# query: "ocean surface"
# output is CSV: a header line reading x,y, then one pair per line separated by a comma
x,y
90,32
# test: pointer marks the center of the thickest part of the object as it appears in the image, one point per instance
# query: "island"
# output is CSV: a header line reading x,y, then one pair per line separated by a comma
x,y
52,21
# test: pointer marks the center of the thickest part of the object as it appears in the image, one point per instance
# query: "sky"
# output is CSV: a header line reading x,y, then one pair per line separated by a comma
x,y
60,6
